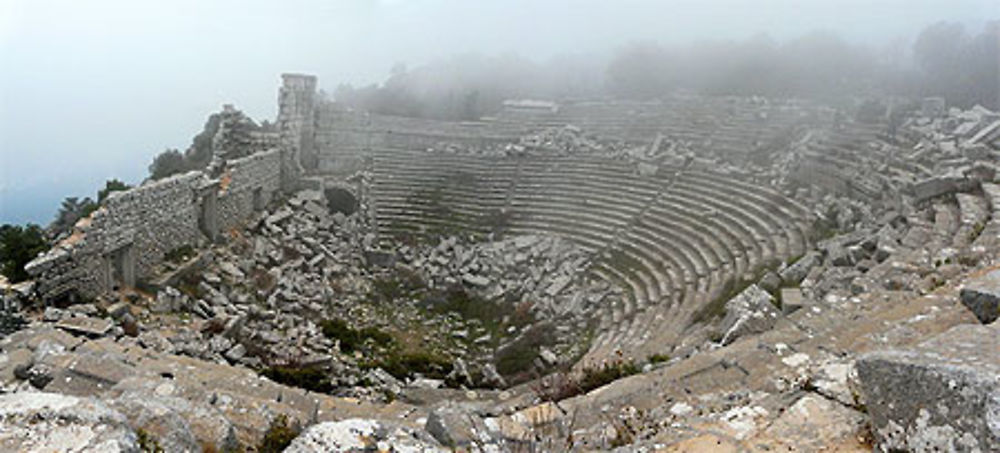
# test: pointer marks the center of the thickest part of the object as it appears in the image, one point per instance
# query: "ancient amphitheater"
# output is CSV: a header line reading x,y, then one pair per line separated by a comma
x,y
693,274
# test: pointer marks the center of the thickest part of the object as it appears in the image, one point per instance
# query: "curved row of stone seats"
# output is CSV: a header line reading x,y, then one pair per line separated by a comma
x,y
722,276
946,224
760,230
630,335
574,197
401,177
786,214
660,223
730,234
671,243
974,213
989,237
794,236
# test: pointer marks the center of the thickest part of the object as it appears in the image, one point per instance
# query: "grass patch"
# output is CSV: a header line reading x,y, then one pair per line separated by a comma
x,y
622,262
562,385
605,374
657,358
455,299
352,339
402,283
977,230
516,360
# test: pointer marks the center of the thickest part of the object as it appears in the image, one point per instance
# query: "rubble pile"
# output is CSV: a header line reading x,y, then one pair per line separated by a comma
x,y
551,141
564,140
261,300
541,270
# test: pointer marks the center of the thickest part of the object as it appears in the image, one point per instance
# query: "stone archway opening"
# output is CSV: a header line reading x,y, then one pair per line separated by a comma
x,y
341,200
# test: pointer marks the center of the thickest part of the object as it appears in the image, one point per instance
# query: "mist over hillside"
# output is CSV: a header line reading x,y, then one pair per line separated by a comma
x,y
151,74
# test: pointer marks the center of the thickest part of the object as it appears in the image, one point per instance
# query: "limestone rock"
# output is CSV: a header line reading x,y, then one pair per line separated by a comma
x,y
942,395
358,434
44,422
456,426
982,296
750,312
491,377
814,423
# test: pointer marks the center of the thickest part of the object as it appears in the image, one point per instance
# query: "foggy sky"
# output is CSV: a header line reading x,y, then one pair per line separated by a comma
x,y
91,90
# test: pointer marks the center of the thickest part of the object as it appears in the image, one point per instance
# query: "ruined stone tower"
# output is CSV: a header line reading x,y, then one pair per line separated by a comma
x,y
296,111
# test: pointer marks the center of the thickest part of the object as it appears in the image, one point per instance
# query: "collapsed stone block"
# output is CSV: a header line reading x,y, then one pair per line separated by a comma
x,y
750,312
982,297
791,300
942,395
797,271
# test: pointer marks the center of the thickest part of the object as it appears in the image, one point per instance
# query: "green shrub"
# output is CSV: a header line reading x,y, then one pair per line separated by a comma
x,y
308,378
406,365
977,230
167,163
71,210
278,435
377,336
111,185
18,246
147,442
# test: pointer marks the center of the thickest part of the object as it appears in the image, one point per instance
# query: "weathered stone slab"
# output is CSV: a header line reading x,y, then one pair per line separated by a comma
x,y
86,326
943,395
982,297
89,374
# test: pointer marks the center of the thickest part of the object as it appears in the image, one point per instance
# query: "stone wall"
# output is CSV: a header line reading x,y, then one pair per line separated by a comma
x,y
126,239
246,186
133,228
